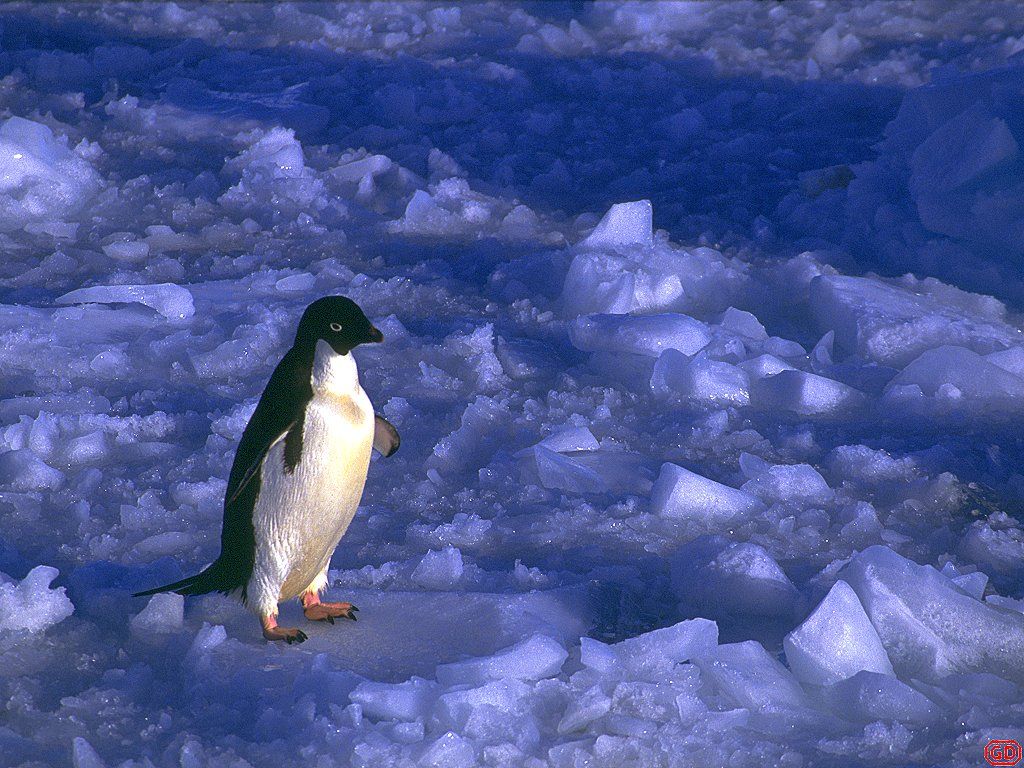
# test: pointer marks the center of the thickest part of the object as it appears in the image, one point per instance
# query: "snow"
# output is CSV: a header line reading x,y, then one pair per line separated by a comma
x,y
31,605
703,336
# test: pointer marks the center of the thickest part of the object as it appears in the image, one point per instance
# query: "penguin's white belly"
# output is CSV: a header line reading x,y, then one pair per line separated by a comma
x,y
300,517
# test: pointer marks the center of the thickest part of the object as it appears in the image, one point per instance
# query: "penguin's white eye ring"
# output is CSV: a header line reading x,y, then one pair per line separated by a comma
x,y
335,327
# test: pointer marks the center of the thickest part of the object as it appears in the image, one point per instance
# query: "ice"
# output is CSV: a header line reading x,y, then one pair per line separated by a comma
x,y
602,240
624,225
569,440
730,579
639,334
682,494
535,658
83,755
747,676
564,473
868,696
955,378
764,365
654,656
929,627
439,569
22,470
172,301
806,394
31,605
892,324
699,380
40,178
836,641
948,173
163,613
795,483
407,700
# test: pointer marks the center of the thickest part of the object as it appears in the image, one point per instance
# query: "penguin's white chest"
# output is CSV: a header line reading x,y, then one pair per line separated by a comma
x,y
301,516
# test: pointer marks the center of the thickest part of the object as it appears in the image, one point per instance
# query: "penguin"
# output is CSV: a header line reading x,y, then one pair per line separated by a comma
x,y
298,474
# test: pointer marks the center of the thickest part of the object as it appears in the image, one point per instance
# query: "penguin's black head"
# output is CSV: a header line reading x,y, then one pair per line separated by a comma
x,y
337,320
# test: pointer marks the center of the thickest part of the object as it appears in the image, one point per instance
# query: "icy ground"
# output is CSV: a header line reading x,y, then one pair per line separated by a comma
x,y
703,338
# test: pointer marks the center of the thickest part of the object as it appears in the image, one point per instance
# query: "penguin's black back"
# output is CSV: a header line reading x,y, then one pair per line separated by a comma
x,y
281,411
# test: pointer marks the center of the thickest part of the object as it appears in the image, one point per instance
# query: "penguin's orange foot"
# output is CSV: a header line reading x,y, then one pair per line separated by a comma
x,y
289,634
330,611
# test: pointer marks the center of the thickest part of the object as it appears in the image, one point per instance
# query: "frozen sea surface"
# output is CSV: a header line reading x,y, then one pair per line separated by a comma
x,y
703,338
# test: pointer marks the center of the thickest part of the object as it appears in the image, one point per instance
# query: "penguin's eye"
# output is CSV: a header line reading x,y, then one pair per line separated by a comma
x,y
335,327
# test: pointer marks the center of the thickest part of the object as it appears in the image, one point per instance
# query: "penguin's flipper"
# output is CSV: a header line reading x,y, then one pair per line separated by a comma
x,y
254,468
385,436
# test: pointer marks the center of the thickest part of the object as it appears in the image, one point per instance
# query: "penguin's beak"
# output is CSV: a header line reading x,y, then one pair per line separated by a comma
x,y
376,336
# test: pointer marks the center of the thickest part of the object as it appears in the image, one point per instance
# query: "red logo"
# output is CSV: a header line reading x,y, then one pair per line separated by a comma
x,y
1003,752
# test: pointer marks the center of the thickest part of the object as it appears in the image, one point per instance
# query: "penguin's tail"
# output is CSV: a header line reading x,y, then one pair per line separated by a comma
x,y
211,579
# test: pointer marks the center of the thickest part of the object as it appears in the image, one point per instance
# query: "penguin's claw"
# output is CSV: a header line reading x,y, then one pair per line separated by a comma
x,y
330,611
288,634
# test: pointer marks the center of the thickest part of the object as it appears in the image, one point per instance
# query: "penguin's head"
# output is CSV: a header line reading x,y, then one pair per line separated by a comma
x,y
339,321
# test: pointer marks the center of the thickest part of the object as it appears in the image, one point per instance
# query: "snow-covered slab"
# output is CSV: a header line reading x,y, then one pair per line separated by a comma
x,y
930,628
892,325
172,301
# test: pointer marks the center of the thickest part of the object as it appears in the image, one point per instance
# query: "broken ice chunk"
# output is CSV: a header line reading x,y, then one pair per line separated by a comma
x,y
31,605
535,658
682,494
836,641
804,393
639,334
869,696
654,655
172,301
699,380
951,373
396,701
798,483
743,323
719,578
624,225
163,613
929,627
746,675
